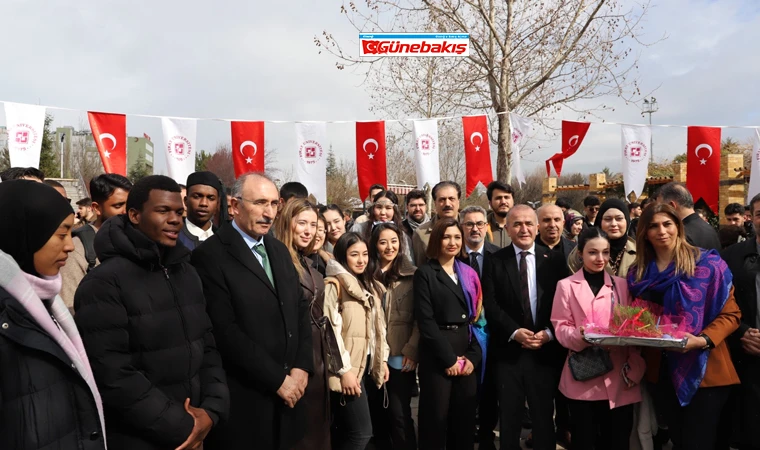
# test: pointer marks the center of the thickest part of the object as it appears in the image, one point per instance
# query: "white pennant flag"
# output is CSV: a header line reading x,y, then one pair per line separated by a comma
x,y
179,145
635,140
426,152
311,170
754,174
519,128
25,126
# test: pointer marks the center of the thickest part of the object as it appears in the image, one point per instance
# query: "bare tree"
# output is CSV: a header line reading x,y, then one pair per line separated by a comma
x,y
220,163
528,57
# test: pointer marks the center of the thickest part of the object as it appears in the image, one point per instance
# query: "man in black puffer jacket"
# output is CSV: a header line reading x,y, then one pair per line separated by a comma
x,y
142,317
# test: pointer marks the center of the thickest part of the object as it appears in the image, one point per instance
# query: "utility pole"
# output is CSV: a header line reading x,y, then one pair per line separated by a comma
x,y
650,107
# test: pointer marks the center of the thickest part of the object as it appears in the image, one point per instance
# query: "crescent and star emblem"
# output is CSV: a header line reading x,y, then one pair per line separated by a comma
x,y
472,140
248,160
573,141
110,136
703,161
370,141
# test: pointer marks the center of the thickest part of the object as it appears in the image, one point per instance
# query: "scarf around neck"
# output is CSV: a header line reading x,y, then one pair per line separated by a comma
x,y
698,300
29,291
474,296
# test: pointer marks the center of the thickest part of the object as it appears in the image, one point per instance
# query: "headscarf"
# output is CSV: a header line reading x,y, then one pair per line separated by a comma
x,y
209,179
616,245
698,299
32,212
474,295
571,217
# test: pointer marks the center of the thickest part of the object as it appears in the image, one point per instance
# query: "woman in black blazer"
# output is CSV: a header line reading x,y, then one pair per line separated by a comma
x,y
447,309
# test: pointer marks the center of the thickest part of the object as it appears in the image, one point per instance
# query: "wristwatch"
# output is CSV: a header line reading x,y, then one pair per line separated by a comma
x,y
710,345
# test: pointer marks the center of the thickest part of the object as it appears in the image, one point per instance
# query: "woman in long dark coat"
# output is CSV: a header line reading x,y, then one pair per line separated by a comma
x,y
48,396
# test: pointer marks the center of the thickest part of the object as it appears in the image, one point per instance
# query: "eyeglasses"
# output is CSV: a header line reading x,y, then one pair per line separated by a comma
x,y
480,224
593,208
262,203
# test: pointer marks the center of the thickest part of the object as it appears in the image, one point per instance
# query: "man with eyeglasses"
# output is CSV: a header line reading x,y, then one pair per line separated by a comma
x,y
261,323
591,205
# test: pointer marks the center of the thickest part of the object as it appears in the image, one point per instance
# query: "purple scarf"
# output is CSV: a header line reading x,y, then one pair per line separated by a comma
x,y
699,300
474,295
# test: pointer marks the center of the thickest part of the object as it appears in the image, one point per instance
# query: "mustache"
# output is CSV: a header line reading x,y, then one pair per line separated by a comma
x,y
265,220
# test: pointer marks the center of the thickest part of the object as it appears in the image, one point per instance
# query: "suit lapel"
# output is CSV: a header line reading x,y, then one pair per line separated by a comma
x,y
513,272
444,278
237,247
542,255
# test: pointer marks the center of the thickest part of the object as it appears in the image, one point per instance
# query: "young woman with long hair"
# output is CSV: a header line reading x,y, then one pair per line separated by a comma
x,y
694,284
353,306
384,209
296,227
319,256
601,406
391,269
448,307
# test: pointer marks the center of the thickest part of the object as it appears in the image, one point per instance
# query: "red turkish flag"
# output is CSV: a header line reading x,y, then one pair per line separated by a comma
x,y
477,152
572,138
247,147
703,164
370,155
110,134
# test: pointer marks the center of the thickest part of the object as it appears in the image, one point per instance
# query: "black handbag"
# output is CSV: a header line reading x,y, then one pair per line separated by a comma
x,y
590,363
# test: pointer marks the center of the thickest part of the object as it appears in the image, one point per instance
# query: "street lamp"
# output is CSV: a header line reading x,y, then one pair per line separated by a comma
x,y
650,107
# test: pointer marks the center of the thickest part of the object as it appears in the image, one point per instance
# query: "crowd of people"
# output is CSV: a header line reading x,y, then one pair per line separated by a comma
x,y
167,316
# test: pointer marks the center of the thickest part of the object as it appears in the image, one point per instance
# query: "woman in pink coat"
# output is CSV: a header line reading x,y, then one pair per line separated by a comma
x,y
601,406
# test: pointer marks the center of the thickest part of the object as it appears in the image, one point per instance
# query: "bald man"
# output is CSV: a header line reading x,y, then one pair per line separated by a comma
x,y
519,282
551,224
261,323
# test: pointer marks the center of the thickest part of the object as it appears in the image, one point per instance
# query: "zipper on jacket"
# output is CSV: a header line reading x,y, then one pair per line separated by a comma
x,y
182,319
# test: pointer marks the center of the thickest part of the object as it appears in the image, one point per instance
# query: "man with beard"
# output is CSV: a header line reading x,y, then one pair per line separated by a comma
x,y
501,198
551,223
261,323
85,214
416,212
109,198
205,197
142,317
446,195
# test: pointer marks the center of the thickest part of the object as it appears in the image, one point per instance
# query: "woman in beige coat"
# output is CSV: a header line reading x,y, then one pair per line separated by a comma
x,y
393,426
352,303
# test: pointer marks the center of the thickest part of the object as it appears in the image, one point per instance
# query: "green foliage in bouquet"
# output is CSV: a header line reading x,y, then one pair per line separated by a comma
x,y
634,320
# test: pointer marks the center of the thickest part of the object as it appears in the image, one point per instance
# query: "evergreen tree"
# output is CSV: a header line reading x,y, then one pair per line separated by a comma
x,y
332,165
5,159
138,171
201,159
50,159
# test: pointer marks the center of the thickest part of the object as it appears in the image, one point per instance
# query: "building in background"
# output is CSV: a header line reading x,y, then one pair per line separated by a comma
x,y
139,148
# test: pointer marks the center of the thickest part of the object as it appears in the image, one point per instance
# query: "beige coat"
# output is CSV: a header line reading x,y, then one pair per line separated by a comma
x,y
359,324
73,272
629,257
403,334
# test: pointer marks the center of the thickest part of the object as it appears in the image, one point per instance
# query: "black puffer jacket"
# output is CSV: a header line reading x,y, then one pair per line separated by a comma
x,y
142,317
44,403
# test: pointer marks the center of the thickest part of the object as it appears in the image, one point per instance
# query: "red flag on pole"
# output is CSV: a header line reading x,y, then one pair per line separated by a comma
x,y
477,152
703,164
247,147
370,155
110,134
572,138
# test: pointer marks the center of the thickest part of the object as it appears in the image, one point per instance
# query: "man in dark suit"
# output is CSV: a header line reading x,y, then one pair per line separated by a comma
x,y
260,321
744,261
698,232
518,290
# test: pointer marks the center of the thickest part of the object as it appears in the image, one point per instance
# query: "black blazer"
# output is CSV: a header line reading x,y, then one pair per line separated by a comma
x,y
440,301
565,246
262,332
744,262
503,305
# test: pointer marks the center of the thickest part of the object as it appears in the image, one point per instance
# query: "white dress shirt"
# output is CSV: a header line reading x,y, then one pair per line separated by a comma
x,y
199,232
532,291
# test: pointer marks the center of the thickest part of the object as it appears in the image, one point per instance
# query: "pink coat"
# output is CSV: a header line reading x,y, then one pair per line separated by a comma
x,y
574,301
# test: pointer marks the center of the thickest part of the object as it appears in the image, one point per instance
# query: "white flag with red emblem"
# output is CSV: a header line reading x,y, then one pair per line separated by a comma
x,y
179,146
635,141
311,169
519,128
754,175
426,152
25,124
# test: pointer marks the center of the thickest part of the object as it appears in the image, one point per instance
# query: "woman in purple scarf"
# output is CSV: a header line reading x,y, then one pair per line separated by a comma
x,y
694,284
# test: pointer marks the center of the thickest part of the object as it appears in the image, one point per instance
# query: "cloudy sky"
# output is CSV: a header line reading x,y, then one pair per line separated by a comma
x,y
257,61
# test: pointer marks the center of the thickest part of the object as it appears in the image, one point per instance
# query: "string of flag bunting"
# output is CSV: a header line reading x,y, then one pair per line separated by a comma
x,y
25,124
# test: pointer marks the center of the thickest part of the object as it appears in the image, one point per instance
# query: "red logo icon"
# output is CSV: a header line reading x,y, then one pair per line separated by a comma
x,y
635,152
179,148
310,152
22,137
425,144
